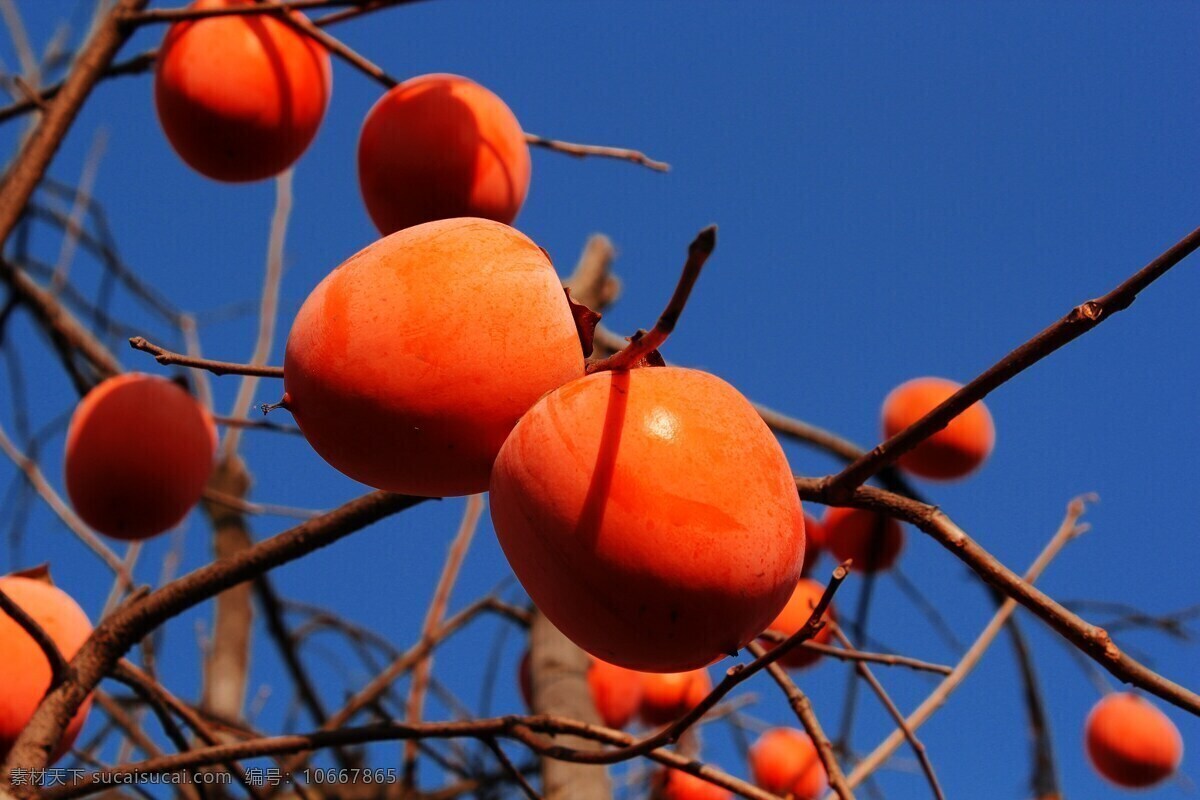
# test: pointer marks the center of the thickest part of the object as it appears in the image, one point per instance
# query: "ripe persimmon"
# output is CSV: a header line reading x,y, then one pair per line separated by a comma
x,y
651,516
616,692
240,97
24,671
666,696
139,452
784,761
814,543
953,452
1130,742
671,784
873,541
441,146
409,364
794,616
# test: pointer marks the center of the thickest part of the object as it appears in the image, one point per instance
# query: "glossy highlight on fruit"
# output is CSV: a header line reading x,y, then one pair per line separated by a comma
x,y
441,146
667,696
872,540
24,670
240,97
784,761
139,452
409,364
616,692
795,616
650,515
953,452
1130,742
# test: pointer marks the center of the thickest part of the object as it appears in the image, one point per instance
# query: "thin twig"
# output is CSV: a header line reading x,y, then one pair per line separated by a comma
x,y
168,358
1077,322
894,713
433,620
1067,531
643,344
58,664
585,150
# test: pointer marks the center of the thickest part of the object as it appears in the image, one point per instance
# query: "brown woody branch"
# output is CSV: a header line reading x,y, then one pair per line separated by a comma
x,y
642,344
802,707
1067,531
170,358
128,624
58,664
1077,322
529,730
851,654
1090,639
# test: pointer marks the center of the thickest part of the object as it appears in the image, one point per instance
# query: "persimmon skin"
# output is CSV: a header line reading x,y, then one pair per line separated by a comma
x,y
671,784
24,671
409,364
651,516
667,696
784,761
441,146
953,452
815,543
871,540
139,452
616,692
794,616
240,98
1130,742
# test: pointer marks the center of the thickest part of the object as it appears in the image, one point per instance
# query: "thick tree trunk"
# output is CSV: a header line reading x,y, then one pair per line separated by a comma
x,y
227,668
558,678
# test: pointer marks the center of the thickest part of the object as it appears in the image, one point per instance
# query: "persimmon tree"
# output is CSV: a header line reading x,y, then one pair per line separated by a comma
x,y
647,510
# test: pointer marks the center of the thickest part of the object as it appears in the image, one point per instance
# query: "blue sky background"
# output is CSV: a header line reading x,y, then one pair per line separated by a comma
x,y
901,189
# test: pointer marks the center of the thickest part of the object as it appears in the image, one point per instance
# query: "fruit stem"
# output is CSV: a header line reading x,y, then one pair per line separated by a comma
x,y
644,343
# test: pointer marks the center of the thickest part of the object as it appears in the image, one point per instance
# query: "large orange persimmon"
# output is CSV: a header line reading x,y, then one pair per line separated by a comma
x,y
794,616
873,541
1130,742
953,452
651,516
240,97
616,692
671,784
409,364
24,670
139,452
441,146
784,761
666,696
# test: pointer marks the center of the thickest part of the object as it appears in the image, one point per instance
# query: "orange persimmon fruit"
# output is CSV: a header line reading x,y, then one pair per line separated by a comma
x,y
651,516
953,452
794,616
441,146
409,364
139,452
240,97
784,761
1130,742
873,541
616,692
24,671
666,696
814,543
671,784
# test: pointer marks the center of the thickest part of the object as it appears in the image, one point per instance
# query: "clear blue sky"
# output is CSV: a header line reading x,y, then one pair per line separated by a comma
x,y
901,189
